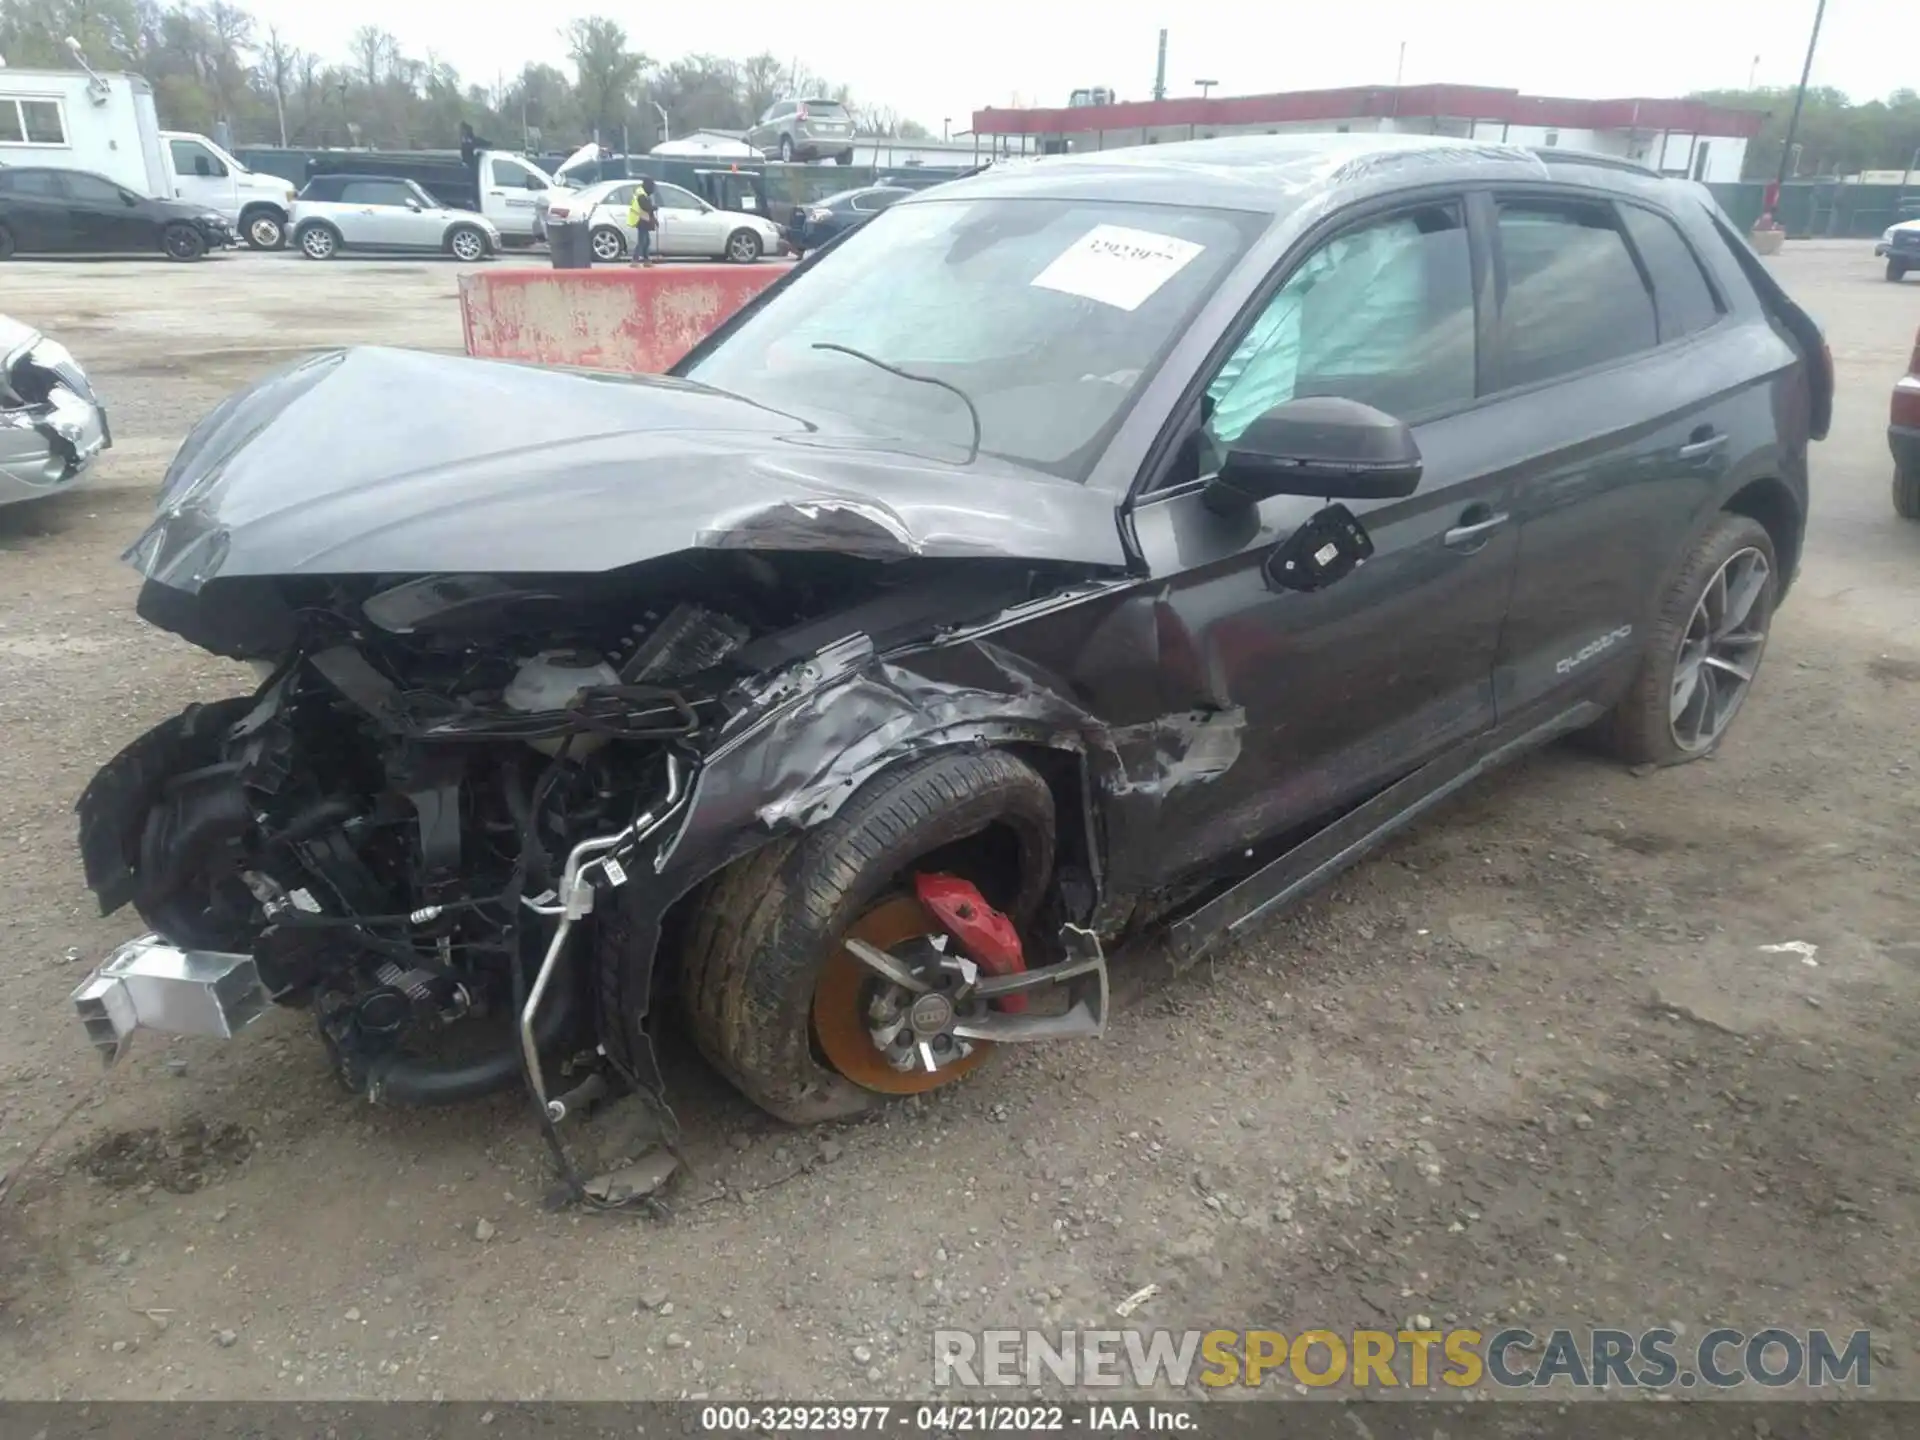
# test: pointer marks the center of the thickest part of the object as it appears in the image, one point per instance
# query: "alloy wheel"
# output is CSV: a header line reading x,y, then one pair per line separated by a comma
x,y
468,246
742,248
606,245
885,1037
182,243
1721,650
317,243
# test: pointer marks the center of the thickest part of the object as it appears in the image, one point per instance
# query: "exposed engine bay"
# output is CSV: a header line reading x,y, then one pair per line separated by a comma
x,y
435,777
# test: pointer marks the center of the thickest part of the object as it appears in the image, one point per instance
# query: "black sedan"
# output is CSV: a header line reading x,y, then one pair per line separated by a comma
x,y
75,212
812,226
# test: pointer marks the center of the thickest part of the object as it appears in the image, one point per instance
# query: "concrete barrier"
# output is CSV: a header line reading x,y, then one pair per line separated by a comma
x,y
614,318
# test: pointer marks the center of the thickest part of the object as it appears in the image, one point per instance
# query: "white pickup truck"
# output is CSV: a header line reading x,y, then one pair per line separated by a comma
x,y
106,123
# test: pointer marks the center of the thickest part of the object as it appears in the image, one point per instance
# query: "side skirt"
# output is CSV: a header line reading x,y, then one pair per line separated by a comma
x,y
1313,862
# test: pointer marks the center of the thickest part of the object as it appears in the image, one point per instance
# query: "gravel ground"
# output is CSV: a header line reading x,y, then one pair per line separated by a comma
x,y
1530,1063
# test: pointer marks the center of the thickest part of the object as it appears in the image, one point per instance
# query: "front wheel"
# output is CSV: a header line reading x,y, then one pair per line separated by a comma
x,y
467,243
183,242
264,229
6,243
743,247
1896,272
786,148
1704,651
1906,494
770,994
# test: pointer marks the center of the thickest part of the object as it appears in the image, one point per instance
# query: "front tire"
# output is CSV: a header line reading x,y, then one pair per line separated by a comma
x,y
1704,652
767,932
1906,494
318,241
182,242
743,247
845,157
6,243
1896,272
786,148
468,243
265,229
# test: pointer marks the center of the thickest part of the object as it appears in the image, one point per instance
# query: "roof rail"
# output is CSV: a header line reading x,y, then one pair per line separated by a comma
x,y
1589,157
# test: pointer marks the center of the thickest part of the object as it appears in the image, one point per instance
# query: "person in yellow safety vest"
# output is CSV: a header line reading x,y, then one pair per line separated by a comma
x,y
642,218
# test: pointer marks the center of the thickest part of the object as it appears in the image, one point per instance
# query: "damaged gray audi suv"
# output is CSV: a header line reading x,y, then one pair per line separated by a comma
x,y
1091,553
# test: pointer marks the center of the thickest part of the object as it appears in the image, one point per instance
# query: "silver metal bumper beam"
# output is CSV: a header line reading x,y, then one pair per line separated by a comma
x,y
148,984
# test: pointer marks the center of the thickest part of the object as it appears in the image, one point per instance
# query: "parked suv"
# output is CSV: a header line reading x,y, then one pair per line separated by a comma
x,y
372,212
804,130
1088,555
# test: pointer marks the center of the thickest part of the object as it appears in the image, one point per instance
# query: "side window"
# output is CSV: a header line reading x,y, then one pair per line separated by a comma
x,y
37,184
91,189
1570,294
375,192
672,197
192,158
1382,314
509,176
1681,295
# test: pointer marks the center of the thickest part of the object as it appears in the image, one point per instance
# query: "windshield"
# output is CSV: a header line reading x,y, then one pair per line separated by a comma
x,y
1049,315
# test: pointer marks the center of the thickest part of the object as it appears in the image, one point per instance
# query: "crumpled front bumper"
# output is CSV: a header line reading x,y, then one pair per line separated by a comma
x,y
148,984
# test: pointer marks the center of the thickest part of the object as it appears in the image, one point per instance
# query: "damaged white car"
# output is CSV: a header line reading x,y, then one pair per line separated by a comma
x,y
52,425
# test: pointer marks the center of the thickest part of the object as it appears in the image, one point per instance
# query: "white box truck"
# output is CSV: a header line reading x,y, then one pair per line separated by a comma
x,y
106,123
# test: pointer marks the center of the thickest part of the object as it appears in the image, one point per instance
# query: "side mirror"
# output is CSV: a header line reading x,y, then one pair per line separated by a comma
x,y
415,206
1321,446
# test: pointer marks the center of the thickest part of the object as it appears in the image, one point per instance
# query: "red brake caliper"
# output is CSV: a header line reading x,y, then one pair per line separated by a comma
x,y
986,937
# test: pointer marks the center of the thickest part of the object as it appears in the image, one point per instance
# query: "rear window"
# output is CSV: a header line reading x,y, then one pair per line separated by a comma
x,y
1571,296
1681,295
825,109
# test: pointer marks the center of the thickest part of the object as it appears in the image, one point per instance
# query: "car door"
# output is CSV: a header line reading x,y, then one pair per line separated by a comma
x,y
380,214
688,226
515,197
1337,692
34,207
1624,387
107,219
200,177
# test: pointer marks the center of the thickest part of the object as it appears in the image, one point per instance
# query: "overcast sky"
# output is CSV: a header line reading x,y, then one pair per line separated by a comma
x,y
934,62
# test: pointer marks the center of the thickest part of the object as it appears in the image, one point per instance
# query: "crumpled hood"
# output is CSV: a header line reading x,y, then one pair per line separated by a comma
x,y
376,461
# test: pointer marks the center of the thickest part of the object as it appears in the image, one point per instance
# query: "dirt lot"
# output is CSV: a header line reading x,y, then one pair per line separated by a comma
x,y
1531,1063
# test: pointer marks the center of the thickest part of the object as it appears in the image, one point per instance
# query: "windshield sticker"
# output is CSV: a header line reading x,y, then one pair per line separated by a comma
x,y
1117,266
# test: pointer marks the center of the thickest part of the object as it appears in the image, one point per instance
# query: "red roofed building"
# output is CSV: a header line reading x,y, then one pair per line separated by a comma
x,y
1678,137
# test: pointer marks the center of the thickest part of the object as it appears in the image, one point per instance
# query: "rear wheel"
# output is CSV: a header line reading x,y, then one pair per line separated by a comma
x,y
1906,494
318,241
845,157
771,996
6,243
1896,271
1705,649
608,244
183,242
743,247
786,148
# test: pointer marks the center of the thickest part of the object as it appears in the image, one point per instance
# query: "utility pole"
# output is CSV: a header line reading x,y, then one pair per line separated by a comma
x,y
1205,86
1160,70
1799,99
1400,68
1753,73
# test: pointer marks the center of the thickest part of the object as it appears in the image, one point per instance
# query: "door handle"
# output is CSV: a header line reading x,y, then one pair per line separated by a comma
x,y
1473,533
1704,446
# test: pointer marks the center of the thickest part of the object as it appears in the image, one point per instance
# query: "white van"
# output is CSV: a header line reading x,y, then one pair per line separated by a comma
x,y
106,123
